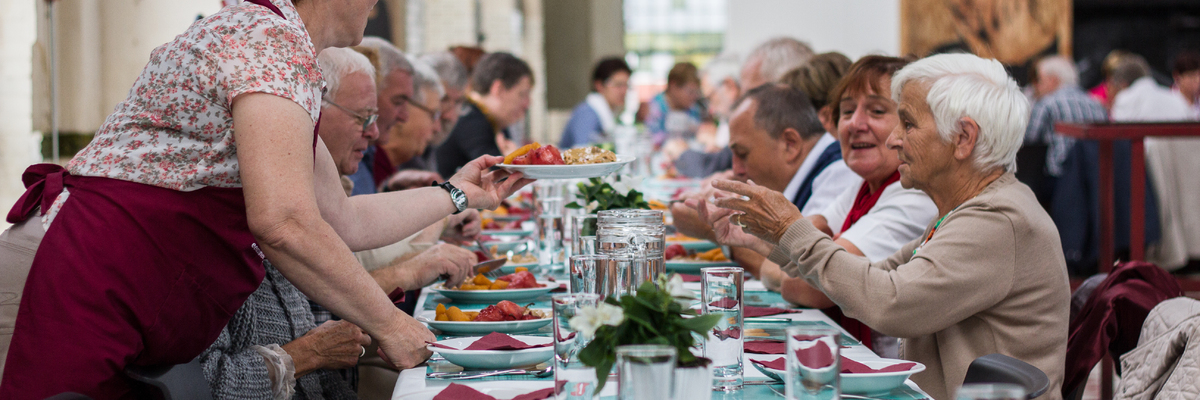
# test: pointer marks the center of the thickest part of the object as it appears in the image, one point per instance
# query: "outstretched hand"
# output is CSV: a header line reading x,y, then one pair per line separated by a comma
x,y
725,231
486,189
766,213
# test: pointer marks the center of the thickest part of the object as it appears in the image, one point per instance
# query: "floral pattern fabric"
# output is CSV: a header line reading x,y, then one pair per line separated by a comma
x,y
175,129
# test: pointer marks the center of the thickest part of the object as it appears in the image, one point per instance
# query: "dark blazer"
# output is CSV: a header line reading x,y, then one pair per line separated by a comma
x,y
473,136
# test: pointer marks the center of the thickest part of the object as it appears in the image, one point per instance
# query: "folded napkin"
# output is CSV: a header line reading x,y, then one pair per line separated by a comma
x,y
751,311
496,341
765,346
464,392
848,366
724,302
819,355
690,277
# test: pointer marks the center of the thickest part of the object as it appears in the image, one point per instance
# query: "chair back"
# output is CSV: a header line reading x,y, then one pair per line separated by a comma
x,y
175,382
999,368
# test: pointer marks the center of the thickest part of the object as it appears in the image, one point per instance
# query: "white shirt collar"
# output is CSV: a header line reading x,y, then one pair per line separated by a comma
x,y
597,102
810,161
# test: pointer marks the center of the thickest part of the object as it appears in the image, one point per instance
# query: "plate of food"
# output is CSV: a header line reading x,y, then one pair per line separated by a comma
x,y
690,243
547,162
871,377
459,352
519,286
681,259
504,316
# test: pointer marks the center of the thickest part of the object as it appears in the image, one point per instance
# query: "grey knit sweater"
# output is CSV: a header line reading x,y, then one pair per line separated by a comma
x,y
276,313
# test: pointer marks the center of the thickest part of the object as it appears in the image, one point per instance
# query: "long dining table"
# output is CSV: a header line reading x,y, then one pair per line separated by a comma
x,y
414,383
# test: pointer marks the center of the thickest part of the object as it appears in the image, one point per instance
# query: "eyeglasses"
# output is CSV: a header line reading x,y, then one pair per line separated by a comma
x,y
436,114
366,120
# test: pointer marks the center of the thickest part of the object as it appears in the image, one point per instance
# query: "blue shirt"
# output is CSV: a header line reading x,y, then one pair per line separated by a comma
x,y
583,128
364,179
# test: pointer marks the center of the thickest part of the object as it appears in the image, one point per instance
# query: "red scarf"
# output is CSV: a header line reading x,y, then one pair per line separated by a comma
x,y
864,201
383,168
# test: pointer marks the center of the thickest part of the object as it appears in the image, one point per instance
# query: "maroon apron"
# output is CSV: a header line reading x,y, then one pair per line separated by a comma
x,y
129,274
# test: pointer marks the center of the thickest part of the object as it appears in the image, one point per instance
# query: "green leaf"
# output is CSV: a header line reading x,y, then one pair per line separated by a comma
x,y
700,324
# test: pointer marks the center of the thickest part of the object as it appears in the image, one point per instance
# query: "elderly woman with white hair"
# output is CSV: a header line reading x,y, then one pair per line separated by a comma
x,y
987,276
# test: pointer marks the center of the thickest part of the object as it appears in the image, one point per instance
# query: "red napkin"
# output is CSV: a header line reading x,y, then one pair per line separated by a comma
x,y
690,278
848,366
464,392
765,346
495,341
724,302
751,311
731,333
817,356
855,367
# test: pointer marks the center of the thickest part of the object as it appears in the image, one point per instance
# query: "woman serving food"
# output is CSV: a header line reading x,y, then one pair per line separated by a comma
x,y
157,231
987,276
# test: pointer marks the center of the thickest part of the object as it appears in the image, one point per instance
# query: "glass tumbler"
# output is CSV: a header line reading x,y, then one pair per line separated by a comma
x,y
813,363
645,372
721,293
990,391
583,234
572,379
582,271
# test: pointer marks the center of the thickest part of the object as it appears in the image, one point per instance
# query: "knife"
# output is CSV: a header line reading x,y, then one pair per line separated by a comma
x,y
488,266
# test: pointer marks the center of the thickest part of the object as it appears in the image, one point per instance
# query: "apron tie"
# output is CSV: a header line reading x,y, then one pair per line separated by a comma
x,y
43,184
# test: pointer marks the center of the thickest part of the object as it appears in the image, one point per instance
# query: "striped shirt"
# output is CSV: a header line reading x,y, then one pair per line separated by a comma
x,y
1067,104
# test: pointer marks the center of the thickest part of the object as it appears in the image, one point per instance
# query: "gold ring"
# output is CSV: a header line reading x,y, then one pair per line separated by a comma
x,y
736,219
364,351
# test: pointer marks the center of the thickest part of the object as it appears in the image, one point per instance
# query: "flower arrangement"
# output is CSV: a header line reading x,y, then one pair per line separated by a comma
x,y
655,315
608,194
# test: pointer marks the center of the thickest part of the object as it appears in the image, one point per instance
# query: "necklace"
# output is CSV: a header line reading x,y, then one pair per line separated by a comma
x,y
935,228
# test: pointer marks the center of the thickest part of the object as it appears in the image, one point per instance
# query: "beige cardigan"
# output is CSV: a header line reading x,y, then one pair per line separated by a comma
x,y
991,280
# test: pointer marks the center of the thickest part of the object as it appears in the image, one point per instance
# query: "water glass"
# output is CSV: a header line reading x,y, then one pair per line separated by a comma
x,y
550,240
721,293
572,379
645,371
813,363
613,273
583,234
582,271
990,391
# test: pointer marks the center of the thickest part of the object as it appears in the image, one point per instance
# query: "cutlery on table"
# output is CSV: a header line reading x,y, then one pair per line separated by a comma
x,y
490,268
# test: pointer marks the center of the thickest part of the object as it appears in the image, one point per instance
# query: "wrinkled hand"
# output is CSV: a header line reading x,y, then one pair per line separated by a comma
x,y
724,231
333,345
447,260
404,346
768,213
484,189
462,227
411,178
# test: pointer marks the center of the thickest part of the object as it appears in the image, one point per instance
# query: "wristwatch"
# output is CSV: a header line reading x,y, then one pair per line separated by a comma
x,y
456,195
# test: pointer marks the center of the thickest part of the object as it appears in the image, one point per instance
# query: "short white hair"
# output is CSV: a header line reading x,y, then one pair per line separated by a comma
x,y
779,55
723,66
449,68
425,78
964,85
1059,67
338,62
388,57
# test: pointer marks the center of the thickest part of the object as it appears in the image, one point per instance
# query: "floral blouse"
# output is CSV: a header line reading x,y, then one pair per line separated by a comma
x,y
175,129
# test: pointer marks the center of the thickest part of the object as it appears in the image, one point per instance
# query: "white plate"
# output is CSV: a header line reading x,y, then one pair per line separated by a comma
x,y
569,171
494,359
483,328
492,296
874,383
499,393
693,267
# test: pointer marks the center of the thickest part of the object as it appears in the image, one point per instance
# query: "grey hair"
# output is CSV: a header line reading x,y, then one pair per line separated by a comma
x,y
1130,68
780,55
723,66
337,63
449,68
965,85
388,57
780,107
1059,67
425,78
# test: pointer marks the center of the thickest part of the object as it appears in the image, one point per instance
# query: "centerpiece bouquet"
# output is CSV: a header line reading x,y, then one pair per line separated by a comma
x,y
659,313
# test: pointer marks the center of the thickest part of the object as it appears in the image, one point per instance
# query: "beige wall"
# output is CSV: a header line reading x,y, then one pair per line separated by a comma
x,y
18,143
578,33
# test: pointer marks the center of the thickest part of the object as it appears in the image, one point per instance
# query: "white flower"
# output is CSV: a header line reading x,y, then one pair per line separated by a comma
x,y
590,319
591,207
675,288
621,187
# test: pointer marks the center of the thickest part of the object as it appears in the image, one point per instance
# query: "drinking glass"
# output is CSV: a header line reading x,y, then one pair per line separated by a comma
x,y
572,379
813,363
721,293
612,274
548,210
645,371
582,270
990,391
583,234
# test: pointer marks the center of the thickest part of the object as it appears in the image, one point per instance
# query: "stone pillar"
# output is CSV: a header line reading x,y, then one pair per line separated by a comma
x,y
577,34
18,142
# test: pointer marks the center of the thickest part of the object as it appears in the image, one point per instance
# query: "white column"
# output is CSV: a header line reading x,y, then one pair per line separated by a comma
x,y
19,145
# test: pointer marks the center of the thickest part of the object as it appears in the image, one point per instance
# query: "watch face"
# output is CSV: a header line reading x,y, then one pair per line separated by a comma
x,y
460,199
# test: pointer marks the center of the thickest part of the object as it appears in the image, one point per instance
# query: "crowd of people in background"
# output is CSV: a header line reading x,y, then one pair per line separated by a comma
x,y
880,190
